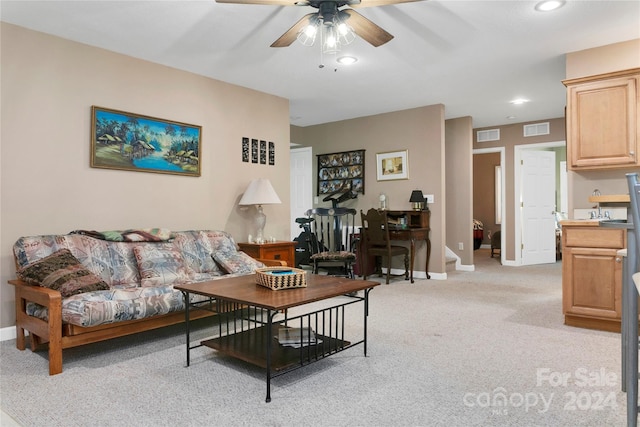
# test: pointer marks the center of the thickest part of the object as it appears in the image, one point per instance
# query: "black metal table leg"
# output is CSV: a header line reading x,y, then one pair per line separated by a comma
x,y
268,344
185,295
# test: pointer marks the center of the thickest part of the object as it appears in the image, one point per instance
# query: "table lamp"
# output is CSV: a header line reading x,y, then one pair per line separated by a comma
x,y
260,192
417,198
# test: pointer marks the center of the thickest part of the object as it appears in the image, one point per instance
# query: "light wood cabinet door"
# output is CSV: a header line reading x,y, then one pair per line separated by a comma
x,y
602,121
592,276
594,282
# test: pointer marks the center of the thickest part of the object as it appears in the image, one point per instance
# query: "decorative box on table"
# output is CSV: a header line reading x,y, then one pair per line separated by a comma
x,y
277,278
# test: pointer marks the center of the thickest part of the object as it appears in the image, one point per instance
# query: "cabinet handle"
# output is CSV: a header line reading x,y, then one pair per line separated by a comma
x,y
618,259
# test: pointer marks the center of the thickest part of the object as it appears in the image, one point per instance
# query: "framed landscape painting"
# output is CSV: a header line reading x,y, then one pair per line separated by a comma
x,y
134,142
392,165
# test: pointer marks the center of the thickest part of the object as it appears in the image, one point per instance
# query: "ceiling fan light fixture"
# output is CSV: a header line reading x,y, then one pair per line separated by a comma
x,y
308,34
346,34
330,41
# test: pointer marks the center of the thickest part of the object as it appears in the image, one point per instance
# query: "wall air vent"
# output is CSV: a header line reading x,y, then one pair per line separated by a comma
x,y
536,129
488,135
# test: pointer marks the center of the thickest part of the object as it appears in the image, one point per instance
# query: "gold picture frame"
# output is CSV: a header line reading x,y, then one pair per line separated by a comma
x,y
392,165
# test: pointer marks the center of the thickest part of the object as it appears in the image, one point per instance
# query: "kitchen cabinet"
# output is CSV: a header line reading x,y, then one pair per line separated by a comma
x,y
592,275
602,121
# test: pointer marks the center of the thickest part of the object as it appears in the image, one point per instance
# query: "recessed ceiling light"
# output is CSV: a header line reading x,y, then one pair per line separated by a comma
x,y
519,101
549,5
347,60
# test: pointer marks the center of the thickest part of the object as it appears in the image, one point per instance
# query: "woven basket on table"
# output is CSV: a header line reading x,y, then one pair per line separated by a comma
x,y
298,278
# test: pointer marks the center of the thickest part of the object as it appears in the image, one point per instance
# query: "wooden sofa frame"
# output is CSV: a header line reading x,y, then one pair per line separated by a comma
x,y
60,336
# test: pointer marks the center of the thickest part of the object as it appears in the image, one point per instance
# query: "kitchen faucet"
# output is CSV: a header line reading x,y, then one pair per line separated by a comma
x,y
599,214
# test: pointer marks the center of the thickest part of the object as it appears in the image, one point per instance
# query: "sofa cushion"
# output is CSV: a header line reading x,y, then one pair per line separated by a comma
x,y
236,262
61,271
196,252
160,264
219,240
115,305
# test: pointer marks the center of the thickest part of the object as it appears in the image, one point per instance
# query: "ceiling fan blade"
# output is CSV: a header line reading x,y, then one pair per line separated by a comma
x,y
292,33
367,29
372,3
267,2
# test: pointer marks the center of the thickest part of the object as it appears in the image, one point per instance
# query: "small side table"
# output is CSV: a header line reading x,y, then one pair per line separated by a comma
x,y
281,251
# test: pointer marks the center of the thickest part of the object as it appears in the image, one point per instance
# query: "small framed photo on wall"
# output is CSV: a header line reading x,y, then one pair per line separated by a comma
x,y
245,149
272,153
263,152
254,151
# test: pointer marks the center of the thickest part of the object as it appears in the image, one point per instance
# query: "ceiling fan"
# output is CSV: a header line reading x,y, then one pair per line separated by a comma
x,y
336,24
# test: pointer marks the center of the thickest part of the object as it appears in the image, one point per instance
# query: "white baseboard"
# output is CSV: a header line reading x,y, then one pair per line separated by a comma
x,y
8,333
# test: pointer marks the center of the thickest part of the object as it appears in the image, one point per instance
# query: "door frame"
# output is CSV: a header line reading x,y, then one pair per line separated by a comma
x,y
503,210
308,151
517,176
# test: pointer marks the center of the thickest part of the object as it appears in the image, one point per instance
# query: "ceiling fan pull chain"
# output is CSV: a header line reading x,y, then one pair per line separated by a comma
x,y
321,44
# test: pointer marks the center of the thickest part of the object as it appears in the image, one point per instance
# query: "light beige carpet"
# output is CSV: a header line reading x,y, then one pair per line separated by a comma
x,y
483,348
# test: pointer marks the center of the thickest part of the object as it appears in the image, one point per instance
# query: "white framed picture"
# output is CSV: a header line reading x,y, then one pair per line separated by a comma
x,y
392,165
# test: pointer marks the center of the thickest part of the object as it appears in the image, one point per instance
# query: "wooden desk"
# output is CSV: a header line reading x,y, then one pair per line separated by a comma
x,y
413,234
418,229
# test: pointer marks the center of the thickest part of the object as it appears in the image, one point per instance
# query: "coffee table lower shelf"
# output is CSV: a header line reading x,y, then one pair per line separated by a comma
x,y
250,346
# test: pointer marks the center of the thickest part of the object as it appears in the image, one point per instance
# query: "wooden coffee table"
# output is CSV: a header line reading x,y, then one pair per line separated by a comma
x,y
248,328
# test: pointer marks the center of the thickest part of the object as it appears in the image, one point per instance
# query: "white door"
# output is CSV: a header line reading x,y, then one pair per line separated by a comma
x,y
538,206
301,186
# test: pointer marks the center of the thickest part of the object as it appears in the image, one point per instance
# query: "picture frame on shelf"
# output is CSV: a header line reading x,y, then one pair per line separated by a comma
x,y
392,165
136,142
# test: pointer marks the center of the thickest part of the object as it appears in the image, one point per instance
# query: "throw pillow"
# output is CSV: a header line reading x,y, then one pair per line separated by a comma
x,y
237,262
219,241
196,252
160,264
61,271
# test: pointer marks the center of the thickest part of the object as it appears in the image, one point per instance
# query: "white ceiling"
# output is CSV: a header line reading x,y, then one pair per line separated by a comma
x,y
472,56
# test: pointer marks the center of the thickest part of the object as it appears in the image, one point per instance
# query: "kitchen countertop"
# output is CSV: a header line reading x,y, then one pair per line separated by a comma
x,y
580,222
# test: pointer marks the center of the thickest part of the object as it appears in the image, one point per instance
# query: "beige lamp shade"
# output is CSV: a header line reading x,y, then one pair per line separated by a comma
x,y
260,192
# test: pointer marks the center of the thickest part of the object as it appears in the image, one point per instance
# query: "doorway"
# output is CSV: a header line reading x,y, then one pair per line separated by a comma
x,y
489,195
535,237
301,185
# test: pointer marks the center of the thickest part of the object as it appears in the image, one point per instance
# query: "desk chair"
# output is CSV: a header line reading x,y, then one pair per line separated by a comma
x,y
376,241
332,247
496,242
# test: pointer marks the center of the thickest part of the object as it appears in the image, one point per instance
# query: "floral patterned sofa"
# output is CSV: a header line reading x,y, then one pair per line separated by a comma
x,y
88,286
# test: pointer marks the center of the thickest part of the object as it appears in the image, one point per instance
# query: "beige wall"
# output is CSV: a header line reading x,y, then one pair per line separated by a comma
x,y
421,132
603,59
459,187
510,137
615,57
48,86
